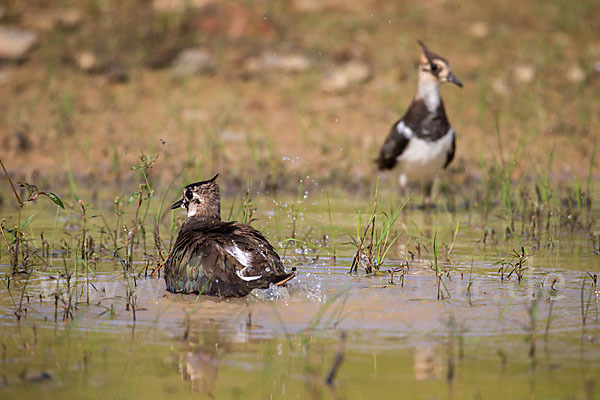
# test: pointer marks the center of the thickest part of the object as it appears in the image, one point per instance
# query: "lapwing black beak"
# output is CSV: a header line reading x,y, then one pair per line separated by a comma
x,y
177,204
453,79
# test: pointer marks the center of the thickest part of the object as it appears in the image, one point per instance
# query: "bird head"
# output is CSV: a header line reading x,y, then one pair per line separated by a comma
x,y
201,198
435,68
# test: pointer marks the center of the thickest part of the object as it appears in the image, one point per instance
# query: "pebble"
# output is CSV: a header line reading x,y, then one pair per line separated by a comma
x,y
69,18
15,43
524,73
479,30
287,63
87,61
575,74
192,61
347,75
174,6
499,86
315,5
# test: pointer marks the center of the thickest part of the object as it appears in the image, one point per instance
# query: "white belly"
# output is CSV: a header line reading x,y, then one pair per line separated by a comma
x,y
422,160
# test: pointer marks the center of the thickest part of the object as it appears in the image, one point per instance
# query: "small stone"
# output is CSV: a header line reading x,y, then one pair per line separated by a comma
x,y
69,18
87,61
15,42
174,6
315,5
479,30
575,74
524,73
499,86
192,61
347,75
287,63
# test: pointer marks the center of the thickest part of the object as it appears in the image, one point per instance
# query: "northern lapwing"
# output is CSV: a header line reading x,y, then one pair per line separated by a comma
x,y
422,142
218,258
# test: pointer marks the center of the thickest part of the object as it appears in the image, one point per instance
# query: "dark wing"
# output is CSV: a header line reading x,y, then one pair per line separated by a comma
x,y
394,145
264,260
197,264
202,261
450,155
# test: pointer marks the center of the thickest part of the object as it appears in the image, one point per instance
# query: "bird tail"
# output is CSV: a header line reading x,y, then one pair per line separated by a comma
x,y
281,280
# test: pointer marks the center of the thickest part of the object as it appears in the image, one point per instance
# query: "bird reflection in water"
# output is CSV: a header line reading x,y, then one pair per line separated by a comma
x,y
199,360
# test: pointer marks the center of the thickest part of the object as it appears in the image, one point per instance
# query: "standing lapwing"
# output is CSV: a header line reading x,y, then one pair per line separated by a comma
x,y
213,257
422,142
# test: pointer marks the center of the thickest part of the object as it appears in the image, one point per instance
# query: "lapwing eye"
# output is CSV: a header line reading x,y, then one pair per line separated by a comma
x,y
433,66
189,194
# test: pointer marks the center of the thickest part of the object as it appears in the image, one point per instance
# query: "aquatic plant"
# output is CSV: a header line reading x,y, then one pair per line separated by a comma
x,y
403,270
585,304
373,244
502,269
439,272
331,225
32,194
518,265
515,266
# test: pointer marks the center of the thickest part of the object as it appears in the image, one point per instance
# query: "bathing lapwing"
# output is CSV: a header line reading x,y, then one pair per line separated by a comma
x,y
218,258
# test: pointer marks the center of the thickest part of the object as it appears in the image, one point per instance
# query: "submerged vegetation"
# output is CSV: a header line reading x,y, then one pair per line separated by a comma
x,y
374,243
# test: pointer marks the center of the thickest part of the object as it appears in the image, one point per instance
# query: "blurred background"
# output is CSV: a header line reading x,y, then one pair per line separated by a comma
x,y
273,91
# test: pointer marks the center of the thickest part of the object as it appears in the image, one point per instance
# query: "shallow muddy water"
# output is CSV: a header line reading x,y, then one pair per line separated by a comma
x,y
476,337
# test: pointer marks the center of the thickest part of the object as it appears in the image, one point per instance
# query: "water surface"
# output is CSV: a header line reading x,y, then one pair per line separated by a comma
x,y
478,336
